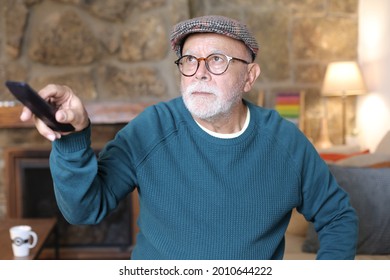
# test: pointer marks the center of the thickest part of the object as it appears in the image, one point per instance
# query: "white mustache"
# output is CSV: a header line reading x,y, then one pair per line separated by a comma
x,y
200,87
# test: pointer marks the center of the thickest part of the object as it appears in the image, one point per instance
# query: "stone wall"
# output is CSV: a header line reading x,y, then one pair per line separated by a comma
x,y
119,50
116,50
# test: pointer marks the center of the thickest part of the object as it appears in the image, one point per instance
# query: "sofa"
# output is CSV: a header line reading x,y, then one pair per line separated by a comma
x,y
366,178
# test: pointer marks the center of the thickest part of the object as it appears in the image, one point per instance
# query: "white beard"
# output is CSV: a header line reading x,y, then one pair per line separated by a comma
x,y
213,105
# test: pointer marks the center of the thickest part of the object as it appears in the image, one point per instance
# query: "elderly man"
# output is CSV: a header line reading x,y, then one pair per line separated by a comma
x,y
217,176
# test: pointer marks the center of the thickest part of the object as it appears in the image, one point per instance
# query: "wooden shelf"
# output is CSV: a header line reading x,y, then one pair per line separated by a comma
x,y
99,113
10,117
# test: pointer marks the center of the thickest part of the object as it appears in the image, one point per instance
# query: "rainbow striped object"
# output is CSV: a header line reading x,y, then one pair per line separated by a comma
x,y
289,106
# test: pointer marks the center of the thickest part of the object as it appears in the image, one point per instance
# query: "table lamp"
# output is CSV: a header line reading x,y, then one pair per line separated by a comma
x,y
343,79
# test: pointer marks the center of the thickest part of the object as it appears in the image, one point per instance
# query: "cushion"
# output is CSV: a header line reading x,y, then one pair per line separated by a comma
x,y
364,160
369,191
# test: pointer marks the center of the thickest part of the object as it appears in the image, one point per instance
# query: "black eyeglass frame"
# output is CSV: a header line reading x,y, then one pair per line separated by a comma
x,y
205,59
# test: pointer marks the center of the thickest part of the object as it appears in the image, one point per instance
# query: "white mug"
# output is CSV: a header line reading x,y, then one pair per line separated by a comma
x,y
23,239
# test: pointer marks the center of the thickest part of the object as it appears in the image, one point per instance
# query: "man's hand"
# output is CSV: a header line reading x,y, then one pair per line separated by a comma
x,y
70,110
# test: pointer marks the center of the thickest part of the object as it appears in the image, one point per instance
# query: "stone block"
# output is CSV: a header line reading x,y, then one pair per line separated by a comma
x,y
11,70
147,5
345,6
80,82
248,4
63,38
325,38
179,10
109,38
271,32
144,39
135,84
113,10
304,6
15,20
312,73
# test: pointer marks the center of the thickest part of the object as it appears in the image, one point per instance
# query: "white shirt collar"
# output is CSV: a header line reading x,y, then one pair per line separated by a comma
x,y
229,135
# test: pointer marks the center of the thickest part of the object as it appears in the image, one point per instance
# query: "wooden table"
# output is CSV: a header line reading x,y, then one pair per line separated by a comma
x,y
43,228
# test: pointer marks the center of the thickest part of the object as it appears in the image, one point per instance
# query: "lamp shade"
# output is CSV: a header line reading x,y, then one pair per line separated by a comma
x,y
343,78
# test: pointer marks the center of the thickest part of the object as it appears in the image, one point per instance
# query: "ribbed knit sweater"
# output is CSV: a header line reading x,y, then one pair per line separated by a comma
x,y
203,197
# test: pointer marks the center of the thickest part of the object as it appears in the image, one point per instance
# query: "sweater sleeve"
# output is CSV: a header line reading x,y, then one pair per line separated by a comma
x,y
86,189
328,206
335,220
322,201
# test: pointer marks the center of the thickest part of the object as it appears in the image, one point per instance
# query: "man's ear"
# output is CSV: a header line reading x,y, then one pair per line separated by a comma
x,y
253,74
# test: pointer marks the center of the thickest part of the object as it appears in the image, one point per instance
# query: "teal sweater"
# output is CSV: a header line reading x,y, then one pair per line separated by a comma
x,y
203,197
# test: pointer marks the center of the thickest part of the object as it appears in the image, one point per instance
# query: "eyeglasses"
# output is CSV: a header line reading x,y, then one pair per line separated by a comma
x,y
216,64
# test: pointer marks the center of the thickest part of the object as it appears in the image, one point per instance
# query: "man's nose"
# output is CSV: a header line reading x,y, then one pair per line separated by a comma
x,y
202,73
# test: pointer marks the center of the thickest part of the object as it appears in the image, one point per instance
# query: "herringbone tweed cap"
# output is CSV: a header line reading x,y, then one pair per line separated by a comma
x,y
212,24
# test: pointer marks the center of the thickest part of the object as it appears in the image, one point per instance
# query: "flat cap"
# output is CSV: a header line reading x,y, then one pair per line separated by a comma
x,y
212,24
